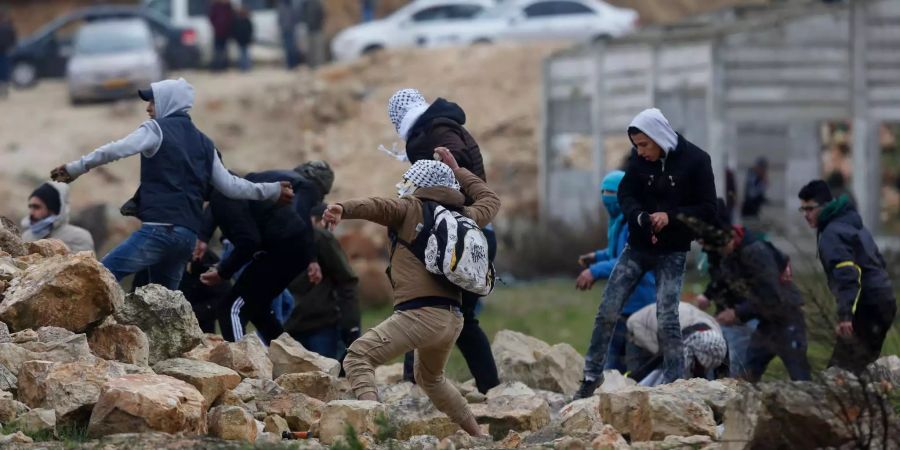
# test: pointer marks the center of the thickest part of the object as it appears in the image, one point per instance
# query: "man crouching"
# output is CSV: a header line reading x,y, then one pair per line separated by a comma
x,y
426,316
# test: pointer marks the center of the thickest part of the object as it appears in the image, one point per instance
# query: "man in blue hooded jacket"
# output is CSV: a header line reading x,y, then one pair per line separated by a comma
x,y
599,266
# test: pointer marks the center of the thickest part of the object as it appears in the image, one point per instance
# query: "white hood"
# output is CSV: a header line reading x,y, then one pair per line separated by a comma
x,y
172,96
62,219
654,124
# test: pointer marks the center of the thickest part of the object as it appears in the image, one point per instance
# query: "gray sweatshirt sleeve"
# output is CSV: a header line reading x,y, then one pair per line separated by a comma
x,y
237,188
146,140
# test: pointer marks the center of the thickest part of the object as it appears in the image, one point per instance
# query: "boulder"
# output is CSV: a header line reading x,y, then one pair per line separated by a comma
x,y
139,403
10,240
8,381
512,440
47,248
16,438
124,343
609,439
389,374
318,385
715,394
337,414
569,443
398,392
36,421
276,425
209,378
288,356
651,414
614,381
581,416
73,292
476,397
673,442
70,389
531,361
232,423
300,411
250,389
886,368
202,351
510,389
165,317
505,413
10,409
247,357
412,413
8,269
71,349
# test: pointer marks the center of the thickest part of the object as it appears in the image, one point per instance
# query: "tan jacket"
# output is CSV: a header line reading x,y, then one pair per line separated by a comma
x,y
404,215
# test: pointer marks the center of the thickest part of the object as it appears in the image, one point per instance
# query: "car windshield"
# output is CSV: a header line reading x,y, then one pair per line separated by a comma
x,y
499,11
112,37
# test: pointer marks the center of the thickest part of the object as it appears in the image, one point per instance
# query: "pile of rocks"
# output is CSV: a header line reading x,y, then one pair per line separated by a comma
x,y
136,370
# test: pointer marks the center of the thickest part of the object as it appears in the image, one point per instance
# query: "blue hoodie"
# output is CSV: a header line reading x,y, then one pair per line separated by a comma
x,y
645,292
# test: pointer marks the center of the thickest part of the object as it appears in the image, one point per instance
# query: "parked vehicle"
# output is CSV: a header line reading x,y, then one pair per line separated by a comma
x,y
113,59
409,26
522,20
45,53
193,14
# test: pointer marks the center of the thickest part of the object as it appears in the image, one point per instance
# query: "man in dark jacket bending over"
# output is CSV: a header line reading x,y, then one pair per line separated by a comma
x,y
667,178
856,275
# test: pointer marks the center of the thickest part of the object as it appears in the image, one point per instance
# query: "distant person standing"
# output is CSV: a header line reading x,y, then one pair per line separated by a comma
x,y
7,43
288,17
314,18
368,10
243,36
222,18
755,188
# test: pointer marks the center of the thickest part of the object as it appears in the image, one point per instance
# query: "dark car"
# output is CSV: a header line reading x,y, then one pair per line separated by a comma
x,y
45,53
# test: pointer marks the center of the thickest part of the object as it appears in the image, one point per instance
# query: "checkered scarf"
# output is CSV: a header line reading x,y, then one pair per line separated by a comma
x,y
404,108
429,173
707,346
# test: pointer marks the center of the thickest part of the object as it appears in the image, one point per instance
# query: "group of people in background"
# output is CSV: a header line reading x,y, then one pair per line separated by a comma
x,y
7,43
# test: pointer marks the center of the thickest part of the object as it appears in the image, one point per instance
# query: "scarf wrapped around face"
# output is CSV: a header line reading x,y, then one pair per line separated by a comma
x,y
43,227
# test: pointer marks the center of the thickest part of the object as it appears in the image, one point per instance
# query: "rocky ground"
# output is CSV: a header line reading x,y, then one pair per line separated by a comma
x,y
82,365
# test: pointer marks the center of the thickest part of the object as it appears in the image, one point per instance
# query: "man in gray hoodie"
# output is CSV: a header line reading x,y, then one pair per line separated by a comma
x,y
179,166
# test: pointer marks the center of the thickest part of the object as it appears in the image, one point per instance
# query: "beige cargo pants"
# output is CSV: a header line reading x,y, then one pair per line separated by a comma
x,y
432,332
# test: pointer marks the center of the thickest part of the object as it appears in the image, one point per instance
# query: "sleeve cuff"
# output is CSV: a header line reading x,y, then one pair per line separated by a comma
x,y
272,191
75,169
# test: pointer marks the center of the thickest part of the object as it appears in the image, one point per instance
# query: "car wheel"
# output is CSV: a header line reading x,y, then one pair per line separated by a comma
x,y
24,74
374,48
482,41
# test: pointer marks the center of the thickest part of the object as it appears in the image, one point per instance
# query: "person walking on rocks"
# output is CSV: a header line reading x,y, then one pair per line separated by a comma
x,y
179,166
856,274
427,316
425,126
599,265
667,178
48,218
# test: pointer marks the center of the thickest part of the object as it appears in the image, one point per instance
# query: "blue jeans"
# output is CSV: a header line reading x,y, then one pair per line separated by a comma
x,y
738,339
632,265
615,357
162,250
289,44
244,58
324,341
4,68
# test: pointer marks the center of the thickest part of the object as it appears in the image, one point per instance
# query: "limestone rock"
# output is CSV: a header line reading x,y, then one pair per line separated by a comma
x,y
609,439
886,368
8,269
288,356
276,424
673,442
340,413
165,317
36,421
70,389
247,357
650,414
318,385
715,394
232,423
531,361
71,349
137,403
414,414
10,240
8,381
16,438
250,388
569,443
614,381
47,248
202,351
209,378
476,397
512,440
10,409
124,343
73,292
300,411
510,389
512,413
389,374
580,416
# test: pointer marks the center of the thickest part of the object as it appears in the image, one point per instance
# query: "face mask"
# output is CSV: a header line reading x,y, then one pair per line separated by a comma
x,y
43,227
405,188
611,202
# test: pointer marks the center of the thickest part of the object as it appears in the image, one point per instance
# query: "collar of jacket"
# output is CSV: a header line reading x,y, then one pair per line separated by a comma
x,y
443,195
832,210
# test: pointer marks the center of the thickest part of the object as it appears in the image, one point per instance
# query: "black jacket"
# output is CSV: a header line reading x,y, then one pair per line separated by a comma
x,y
749,280
243,31
263,226
681,183
334,301
854,266
7,37
441,125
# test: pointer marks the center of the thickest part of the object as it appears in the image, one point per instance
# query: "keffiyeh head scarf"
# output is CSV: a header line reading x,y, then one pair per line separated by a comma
x,y
404,109
707,346
427,173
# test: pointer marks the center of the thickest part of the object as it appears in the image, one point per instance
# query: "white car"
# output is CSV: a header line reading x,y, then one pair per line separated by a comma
x,y
194,14
407,27
520,20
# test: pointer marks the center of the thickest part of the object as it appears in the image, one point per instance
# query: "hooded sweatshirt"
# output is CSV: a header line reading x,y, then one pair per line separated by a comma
x,y
681,182
76,238
170,97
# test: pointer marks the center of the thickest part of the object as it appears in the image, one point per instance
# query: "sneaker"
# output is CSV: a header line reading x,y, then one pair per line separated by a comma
x,y
587,388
